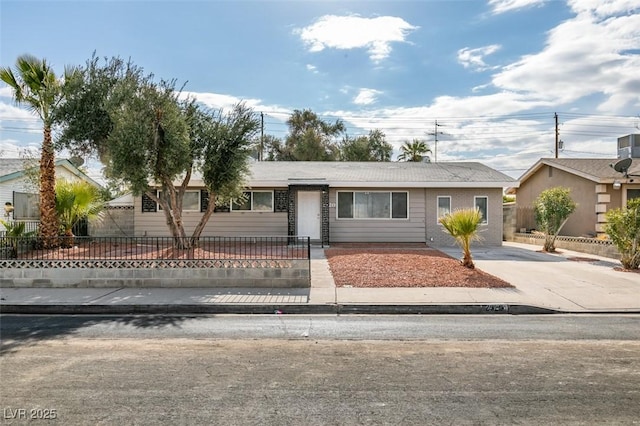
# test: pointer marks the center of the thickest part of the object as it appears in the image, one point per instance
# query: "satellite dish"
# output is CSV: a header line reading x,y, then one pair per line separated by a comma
x,y
622,166
76,161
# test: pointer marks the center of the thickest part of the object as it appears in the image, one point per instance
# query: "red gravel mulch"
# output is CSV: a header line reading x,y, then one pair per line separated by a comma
x,y
403,266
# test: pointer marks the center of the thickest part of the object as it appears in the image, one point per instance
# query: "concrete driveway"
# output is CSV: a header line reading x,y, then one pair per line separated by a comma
x,y
567,281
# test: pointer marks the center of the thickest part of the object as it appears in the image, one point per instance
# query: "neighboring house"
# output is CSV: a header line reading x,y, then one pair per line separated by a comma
x,y
345,202
17,189
595,186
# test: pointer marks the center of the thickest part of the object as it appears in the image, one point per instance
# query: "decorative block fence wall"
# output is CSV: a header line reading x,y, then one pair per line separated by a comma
x,y
583,245
262,262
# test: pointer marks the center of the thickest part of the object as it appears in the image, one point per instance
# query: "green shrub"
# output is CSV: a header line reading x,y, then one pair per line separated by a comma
x,y
623,228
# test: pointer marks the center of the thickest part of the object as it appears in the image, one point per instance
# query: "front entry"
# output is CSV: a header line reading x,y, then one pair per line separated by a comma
x,y
309,214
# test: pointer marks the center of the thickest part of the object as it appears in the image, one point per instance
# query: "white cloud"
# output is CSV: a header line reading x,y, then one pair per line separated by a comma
x,y
584,56
355,32
312,68
502,6
366,96
6,92
14,113
226,102
474,58
604,8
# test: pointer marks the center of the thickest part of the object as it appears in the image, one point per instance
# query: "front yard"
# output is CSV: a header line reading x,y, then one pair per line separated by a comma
x,y
402,266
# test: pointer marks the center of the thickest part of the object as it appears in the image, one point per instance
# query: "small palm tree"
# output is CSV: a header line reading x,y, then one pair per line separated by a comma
x,y
463,226
75,201
414,151
35,85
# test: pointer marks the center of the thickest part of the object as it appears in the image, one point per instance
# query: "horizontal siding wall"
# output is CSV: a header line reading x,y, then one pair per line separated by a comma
x,y
221,224
491,233
379,230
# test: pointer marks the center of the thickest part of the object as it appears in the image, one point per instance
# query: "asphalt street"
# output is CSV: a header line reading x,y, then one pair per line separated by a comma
x,y
15,329
320,370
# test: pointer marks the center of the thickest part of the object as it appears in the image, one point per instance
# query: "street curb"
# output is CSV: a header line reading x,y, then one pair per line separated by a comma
x,y
292,309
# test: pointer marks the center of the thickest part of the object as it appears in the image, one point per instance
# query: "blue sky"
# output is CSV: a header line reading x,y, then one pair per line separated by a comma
x,y
491,72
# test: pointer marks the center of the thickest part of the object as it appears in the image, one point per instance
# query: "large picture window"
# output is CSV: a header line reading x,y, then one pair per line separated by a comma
x,y
482,204
190,201
254,201
373,205
444,206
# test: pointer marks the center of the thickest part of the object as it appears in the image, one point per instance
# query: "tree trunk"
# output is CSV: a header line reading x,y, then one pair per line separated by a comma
x,y
174,221
49,226
68,239
203,220
467,260
549,244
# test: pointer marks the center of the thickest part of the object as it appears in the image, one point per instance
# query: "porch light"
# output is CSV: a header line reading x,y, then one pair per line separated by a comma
x,y
617,184
8,209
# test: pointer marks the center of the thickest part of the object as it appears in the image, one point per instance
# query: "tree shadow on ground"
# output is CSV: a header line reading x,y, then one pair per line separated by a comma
x,y
25,330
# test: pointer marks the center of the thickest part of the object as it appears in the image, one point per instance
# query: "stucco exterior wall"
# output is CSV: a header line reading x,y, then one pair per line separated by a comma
x,y
583,191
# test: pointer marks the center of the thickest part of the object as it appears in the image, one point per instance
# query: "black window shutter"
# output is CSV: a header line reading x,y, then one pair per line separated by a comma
x,y
204,200
280,200
148,205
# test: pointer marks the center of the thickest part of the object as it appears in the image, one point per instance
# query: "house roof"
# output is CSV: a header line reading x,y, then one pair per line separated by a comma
x,y
13,168
123,200
377,174
598,170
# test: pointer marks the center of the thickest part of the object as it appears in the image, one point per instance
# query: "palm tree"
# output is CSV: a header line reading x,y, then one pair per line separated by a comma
x,y
415,151
463,226
35,85
75,201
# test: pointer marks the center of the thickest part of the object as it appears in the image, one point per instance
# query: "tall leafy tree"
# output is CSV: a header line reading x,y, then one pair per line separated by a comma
x,y
462,225
552,209
35,85
275,149
415,151
379,146
311,138
148,137
373,147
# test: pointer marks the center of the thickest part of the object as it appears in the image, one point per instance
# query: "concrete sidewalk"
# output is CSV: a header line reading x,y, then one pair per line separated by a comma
x,y
567,282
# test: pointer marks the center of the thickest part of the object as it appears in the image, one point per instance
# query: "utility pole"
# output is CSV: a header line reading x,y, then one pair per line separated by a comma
x,y
261,153
435,135
555,116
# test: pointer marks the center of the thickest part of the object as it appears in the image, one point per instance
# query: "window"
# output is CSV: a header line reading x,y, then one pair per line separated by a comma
x,y
372,205
482,204
26,206
633,193
254,201
190,201
444,206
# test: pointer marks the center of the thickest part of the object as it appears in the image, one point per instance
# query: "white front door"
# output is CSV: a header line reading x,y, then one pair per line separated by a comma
x,y
309,214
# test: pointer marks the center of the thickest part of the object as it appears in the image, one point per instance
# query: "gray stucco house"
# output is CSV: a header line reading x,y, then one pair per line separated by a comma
x,y
345,202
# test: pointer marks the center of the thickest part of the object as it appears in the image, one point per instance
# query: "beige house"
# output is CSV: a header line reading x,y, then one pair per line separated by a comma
x,y
345,202
595,186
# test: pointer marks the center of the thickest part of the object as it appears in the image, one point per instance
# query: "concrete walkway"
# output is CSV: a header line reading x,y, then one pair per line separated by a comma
x,y
567,282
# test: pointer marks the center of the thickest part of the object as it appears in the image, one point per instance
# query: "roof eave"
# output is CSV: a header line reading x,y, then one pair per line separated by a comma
x,y
369,184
